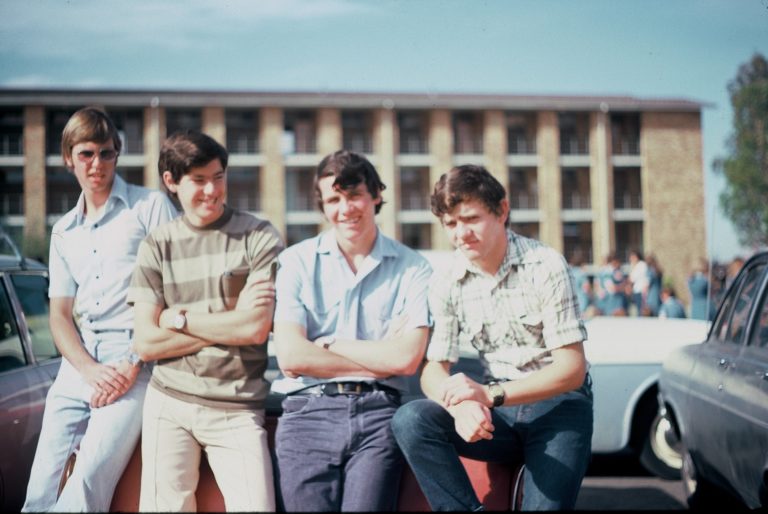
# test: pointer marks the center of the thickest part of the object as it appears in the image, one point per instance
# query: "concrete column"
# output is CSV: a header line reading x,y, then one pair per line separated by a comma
x,y
214,124
35,227
328,131
272,176
154,134
384,124
601,186
441,152
495,146
675,224
550,180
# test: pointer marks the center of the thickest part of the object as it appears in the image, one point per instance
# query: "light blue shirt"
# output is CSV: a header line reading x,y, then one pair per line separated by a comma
x,y
93,260
317,289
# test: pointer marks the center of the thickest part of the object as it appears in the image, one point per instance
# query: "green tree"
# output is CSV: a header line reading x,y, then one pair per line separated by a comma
x,y
745,198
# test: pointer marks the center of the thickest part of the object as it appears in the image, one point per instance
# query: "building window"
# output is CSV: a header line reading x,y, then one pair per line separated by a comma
x,y
468,132
243,189
625,133
62,191
357,131
627,189
414,189
414,130
11,191
299,132
416,235
130,127
298,233
529,229
574,133
523,189
521,133
629,235
242,131
575,189
299,189
55,120
132,175
179,120
577,241
11,132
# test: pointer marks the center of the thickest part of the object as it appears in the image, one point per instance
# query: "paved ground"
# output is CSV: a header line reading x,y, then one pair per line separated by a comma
x,y
616,483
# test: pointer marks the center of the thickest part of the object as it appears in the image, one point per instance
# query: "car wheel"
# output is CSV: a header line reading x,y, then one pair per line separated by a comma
x,y
660,453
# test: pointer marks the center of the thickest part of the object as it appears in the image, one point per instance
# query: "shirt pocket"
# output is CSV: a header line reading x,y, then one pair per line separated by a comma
x,y
522,320
322,309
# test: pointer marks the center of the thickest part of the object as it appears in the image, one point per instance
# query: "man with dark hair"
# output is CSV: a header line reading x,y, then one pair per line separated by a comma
x,y
95,402
351,321
512,299
204,299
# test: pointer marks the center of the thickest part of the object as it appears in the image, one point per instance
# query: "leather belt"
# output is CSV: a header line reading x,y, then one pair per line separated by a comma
x,y
347,388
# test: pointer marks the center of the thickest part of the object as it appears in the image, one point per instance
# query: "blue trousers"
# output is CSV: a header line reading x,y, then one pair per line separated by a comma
x,y
337,453
552,436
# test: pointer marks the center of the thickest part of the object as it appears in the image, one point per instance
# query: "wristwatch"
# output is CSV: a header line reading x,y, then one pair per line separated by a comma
x,y
325,341
180,320
497,392
134,360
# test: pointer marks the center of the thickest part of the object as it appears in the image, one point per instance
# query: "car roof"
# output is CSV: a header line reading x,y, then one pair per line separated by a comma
x,y
11,263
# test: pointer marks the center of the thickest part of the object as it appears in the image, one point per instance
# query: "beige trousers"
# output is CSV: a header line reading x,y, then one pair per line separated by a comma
x,y
235,442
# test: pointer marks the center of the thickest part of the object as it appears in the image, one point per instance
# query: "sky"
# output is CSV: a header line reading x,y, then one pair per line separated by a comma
x,y
651,48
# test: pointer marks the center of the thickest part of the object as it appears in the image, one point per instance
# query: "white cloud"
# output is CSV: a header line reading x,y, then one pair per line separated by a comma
x,y
52,28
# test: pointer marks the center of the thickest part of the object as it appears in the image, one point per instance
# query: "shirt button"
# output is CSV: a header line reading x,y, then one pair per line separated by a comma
x,y
95,225
94,250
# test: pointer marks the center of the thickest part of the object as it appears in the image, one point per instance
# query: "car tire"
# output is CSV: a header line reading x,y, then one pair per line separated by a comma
x,y
660,453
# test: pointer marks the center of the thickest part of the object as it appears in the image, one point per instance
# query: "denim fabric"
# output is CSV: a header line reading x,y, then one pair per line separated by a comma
x,y
106,436
552,436
337,453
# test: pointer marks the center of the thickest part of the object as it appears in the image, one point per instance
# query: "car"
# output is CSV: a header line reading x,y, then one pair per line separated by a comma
x,y
625,356
713,396
29,362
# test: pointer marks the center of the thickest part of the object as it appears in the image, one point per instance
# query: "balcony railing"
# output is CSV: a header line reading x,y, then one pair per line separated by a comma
x,y
469,145
11,144
60,202
413,145
360,143
523,201
626,147
414,201
574,146
243,143
576,201
521,145
11,204
628,201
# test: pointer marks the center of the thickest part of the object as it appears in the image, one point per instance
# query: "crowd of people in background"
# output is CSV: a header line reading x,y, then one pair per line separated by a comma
x,y
639,288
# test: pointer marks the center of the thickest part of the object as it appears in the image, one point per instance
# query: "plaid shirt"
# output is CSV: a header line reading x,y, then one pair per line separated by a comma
x,y
514,319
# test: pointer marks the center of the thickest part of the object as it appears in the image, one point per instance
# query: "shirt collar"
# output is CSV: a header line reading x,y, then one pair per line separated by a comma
x,y
119,192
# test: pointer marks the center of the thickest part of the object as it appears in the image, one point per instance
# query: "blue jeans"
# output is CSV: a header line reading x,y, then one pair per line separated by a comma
x,y
552,436
106,436
337,453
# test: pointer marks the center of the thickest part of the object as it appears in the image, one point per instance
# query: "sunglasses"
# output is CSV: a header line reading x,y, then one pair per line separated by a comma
x,y
105,155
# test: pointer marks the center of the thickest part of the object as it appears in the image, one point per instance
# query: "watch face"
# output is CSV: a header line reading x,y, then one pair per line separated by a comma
x,y
179,321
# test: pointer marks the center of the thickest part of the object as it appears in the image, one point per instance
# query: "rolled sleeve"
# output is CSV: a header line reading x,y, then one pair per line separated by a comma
x,y
61,281
562,323
443,344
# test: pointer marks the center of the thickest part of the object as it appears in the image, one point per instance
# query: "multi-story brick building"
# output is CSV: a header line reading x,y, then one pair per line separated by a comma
x,y
585,175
